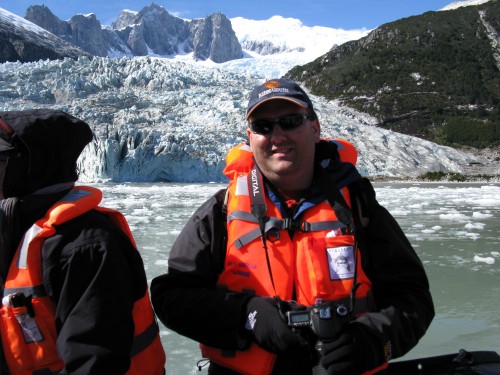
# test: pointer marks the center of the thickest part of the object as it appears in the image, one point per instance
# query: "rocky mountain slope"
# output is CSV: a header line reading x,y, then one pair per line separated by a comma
x,y
152,31
436,76
23,41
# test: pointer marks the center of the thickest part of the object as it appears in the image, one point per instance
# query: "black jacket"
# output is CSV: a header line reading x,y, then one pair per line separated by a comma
x,y
188,301
94,275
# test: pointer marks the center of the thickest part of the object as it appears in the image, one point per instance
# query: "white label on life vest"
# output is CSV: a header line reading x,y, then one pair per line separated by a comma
x,y
341,262
30,329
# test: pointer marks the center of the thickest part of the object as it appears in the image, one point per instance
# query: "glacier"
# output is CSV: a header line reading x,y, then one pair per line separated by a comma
x,y
174,119
158,119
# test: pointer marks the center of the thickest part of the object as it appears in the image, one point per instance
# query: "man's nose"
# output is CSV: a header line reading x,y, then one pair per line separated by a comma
x,y
278,133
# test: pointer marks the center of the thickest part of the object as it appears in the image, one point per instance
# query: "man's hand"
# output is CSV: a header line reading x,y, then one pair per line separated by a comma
x,y
268,328
353,352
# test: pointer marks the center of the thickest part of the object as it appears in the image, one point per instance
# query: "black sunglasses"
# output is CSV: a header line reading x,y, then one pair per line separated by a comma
x,y
286,123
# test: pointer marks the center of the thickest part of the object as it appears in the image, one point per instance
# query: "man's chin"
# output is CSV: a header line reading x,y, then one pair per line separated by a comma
x,y
284,168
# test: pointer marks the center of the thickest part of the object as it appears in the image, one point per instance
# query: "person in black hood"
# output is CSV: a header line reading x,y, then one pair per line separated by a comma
x,y
91,276
38,149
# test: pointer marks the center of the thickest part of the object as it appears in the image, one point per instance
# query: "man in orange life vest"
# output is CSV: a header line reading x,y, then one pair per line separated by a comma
x,y
254,275
74,290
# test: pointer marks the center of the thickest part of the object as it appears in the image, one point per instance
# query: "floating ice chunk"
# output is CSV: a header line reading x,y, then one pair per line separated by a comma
x,y
416,205
480,215
487,260
472,235
141,211
474,226
452,216
400,212
428,231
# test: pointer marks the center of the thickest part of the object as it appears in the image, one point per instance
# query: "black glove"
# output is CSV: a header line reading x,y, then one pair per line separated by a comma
x,y
268,327
353,352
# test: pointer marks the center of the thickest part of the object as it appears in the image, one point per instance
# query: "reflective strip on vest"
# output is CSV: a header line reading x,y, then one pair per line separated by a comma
x,y
22,261
241,186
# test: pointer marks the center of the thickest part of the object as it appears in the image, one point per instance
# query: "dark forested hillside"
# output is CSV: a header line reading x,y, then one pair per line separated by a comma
x,y
435,76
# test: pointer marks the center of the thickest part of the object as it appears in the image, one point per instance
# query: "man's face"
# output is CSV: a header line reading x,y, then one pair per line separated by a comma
x,y
286,158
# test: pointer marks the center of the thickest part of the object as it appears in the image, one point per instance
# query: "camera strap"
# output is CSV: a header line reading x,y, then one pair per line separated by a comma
x,y
258,208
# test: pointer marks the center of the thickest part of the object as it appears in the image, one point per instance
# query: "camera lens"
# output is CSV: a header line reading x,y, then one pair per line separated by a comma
x,y
342,310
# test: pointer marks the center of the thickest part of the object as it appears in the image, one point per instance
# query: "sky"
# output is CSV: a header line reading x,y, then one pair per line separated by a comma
x,y
338,14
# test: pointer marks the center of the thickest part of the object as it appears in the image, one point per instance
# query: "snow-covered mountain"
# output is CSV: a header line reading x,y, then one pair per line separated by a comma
x,y
173,119
21,40
465,3
274,46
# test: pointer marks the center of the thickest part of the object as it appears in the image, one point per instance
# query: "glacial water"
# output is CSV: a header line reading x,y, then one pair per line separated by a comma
x,y
454,227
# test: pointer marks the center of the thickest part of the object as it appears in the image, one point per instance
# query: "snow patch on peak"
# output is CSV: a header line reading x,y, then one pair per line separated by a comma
x,y
464,3
289,34
20,22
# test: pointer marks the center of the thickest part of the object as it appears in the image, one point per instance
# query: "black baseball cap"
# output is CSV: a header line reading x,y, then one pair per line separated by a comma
x,y
280,88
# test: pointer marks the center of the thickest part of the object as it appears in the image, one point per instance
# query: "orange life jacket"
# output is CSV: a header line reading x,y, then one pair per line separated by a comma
x,y
317,263
28,329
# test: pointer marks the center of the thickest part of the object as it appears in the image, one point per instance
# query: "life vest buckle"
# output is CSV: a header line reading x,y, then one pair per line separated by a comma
x,y
296,225
291,224
305,226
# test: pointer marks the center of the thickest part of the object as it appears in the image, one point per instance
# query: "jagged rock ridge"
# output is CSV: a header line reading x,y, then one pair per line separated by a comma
x,y
151,31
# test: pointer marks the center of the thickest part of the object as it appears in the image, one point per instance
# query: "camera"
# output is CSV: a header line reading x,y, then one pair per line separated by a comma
x,y
318,323
324,319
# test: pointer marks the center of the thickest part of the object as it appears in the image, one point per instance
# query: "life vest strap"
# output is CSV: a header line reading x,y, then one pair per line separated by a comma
x,y
33,291
247,238
362,304
44,371
279,224
270,223
241,215
143,340
305,226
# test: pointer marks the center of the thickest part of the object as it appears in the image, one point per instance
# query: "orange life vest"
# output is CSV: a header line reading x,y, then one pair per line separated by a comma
x,y
28,329
317,263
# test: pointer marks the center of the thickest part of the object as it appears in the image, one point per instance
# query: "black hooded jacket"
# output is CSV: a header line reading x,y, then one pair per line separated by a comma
x,y
90,268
